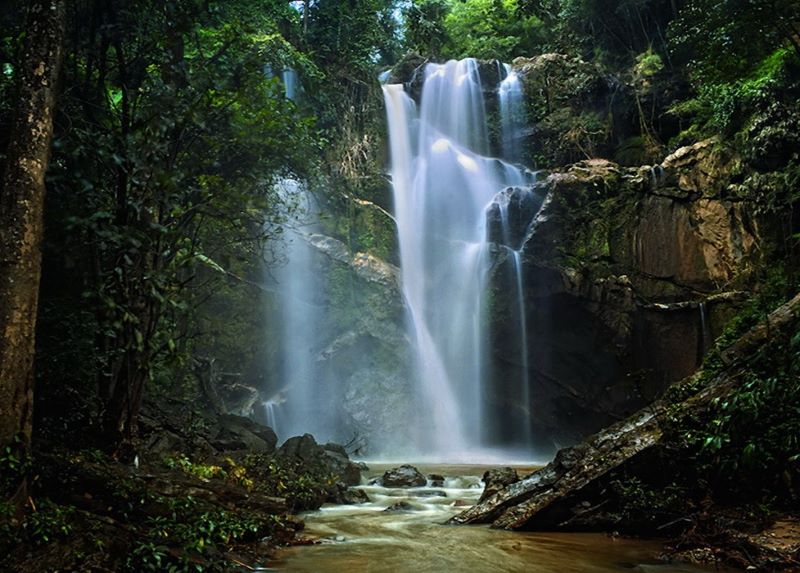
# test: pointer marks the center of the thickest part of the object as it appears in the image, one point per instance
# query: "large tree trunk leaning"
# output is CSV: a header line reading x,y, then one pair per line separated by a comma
x,y
21,224
546,498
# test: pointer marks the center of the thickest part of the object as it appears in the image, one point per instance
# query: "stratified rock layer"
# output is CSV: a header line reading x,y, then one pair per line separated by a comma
x,y
629,274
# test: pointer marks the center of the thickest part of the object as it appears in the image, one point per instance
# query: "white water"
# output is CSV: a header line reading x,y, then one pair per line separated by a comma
x,y
525,380
512,113
298,404
366,538
290,83
705,335
443,183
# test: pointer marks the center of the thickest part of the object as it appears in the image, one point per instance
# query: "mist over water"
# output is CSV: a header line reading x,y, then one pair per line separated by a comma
x,y
446,186
294,406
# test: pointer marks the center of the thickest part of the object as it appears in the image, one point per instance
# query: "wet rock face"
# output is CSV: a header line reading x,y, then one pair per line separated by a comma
x,y
409,71
362,360
616,263
684,230
698,245
510,215
355,496
403,476
496,479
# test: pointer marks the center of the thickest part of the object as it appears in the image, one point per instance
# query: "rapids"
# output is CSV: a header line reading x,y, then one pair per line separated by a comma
x,y
368,539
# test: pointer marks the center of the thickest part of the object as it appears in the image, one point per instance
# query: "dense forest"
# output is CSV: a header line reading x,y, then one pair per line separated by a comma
x,y
145,147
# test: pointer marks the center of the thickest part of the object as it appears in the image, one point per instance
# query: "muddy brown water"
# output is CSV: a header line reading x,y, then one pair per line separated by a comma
x,y
368,539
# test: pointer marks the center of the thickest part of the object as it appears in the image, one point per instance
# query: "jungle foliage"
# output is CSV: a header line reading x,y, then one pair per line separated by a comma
x,y
172,127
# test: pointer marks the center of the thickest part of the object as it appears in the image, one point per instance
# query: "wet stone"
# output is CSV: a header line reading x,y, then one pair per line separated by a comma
x,y
403,476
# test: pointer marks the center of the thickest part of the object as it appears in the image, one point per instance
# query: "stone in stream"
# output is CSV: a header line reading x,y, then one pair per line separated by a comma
x,y
400,506
496,479
404,476
430,493
437,480
355,496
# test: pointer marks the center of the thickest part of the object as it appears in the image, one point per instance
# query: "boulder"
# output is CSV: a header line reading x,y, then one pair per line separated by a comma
x,y
238,398
496,479
331,458
431,493
400,506
237,433
340,464
436,480
403,476
355,496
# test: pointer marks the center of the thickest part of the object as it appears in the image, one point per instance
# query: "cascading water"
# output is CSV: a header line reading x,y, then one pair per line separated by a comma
x,y
512,113
297,404
290,83
705,335
443,183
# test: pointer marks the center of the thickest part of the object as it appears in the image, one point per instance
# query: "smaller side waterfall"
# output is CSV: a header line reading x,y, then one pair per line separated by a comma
x,y
705,334
523,343
509,215
656,176
270,413
512,113
297,403
290,83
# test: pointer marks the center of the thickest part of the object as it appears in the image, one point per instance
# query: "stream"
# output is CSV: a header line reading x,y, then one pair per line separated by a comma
x,y
368,538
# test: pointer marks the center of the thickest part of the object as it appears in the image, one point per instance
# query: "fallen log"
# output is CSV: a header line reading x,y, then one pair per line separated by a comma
x,y
534,500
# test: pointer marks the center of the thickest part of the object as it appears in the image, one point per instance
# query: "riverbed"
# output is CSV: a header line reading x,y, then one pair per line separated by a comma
x,y
374,538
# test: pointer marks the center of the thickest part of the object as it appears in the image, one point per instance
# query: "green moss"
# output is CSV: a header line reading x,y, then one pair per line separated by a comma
x,y
343,300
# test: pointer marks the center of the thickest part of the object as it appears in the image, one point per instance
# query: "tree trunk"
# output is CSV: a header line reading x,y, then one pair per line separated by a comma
x,y
21,224
546,498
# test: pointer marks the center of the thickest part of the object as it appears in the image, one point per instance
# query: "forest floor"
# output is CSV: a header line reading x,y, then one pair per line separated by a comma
x,y
205,495
745,544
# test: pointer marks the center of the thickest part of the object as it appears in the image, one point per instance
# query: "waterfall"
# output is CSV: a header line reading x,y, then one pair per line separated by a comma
x,y
705,336
271,415
512,113
290,83
523,345
443,182
299,403
512,239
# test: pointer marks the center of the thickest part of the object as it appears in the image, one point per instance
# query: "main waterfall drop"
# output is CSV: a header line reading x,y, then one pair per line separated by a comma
x,y
443,182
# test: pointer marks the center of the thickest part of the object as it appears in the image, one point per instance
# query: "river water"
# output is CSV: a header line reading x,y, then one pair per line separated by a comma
x,y
367,538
